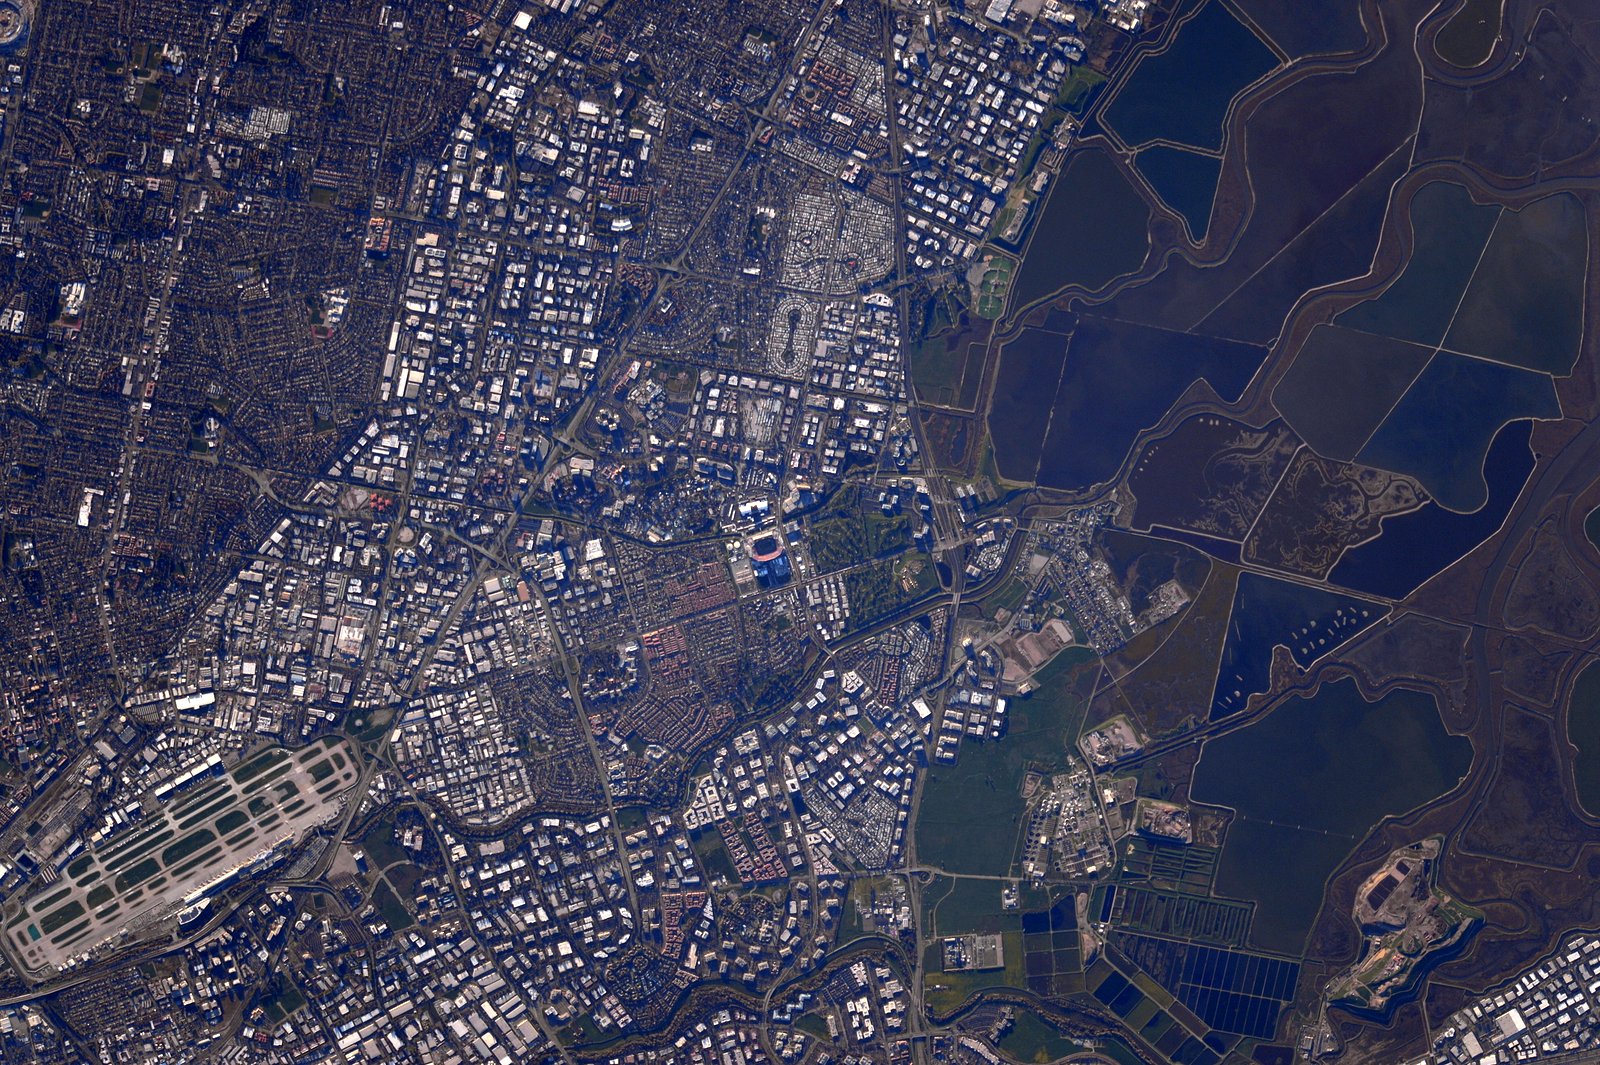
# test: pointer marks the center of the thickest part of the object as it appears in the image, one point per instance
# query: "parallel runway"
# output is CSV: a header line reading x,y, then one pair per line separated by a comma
x,y
221,825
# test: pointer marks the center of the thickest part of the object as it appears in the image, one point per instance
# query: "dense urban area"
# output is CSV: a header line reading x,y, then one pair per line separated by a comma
x,y
805,531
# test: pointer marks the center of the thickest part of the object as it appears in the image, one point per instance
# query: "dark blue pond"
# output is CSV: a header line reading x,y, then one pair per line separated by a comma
x,y
1269,613
1183,93
1441,430
1121,378
1185,181
1093,228
1326,26
1417,545
1449,232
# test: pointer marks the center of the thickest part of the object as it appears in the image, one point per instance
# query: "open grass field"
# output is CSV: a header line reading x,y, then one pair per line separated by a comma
x,y
390,908
972,812
961,905
946,369
994,286
284,1001
885,586
851,530
1170,690
944,991
1078,87
1032,1040
380,847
